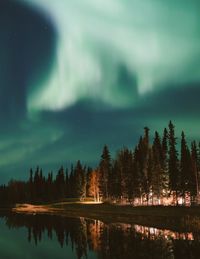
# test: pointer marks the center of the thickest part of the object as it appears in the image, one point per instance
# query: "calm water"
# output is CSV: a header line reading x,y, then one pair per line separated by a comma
x,y
40,236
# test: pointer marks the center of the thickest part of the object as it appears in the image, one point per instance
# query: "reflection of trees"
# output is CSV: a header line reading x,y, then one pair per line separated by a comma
x,y
63,228
94,229
109,241
118,243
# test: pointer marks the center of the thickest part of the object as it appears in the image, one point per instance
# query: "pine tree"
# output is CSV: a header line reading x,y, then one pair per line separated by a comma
x,y
66,183
30,183
150,171
49,187
185,167
60,183
36,182
137,183
41,186
124,160
164,162
194,176
112,177
142,160
130,176
116,181
31,176
157,176
173,164
79,181
104,171
72,183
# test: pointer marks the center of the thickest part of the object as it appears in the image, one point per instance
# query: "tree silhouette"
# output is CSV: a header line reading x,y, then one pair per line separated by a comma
x,y
173,165
152,173
104,172
80,181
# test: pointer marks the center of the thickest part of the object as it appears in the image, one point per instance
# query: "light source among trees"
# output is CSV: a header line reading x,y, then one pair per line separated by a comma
x,y
151,174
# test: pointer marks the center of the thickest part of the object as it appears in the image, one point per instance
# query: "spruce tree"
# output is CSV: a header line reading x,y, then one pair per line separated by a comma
x,y
60,183
72,183
185,167
30,183
79,181
164,162
116,188
142,159
104,171
173,164
157,176
124,160
137,179
49,188
150,171
194,176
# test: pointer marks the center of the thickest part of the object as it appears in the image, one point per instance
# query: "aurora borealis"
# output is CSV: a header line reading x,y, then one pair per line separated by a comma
x,y
75,75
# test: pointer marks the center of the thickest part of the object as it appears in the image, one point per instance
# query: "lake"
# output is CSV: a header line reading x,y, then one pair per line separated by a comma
x,y
57,237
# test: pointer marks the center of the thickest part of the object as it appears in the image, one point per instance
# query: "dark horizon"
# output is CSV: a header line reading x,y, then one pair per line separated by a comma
x,y
76,76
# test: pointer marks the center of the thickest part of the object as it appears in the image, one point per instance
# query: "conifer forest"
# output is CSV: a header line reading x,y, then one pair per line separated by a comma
x,y
164,171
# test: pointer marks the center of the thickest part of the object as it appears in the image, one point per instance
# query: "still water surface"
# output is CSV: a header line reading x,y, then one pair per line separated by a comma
x,y
56,237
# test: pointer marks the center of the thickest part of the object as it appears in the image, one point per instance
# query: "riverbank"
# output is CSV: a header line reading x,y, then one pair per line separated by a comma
x,y
174,218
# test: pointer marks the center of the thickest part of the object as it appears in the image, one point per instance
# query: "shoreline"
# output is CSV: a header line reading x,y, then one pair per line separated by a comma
x,y
173,218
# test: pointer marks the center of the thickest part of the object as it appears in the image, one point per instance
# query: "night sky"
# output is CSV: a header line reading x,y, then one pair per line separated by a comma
x,y
75,75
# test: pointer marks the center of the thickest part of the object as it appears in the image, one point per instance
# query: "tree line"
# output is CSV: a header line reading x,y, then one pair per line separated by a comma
x,y
153,173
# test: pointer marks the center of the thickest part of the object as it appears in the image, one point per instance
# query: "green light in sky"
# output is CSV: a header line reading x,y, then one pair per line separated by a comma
x,y
156,40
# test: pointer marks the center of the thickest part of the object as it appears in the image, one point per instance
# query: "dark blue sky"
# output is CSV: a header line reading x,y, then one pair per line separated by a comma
x,y
77,75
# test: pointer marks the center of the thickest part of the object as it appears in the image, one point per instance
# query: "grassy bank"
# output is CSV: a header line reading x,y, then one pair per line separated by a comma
x,y
174,218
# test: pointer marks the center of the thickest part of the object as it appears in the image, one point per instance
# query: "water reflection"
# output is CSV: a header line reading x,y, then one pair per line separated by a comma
x,y
107,241
154,233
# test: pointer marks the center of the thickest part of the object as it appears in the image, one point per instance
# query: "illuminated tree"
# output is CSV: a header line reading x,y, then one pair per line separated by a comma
x,y
93,185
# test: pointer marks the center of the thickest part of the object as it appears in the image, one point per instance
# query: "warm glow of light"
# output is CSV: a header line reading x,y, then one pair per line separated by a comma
x,y
29,208
180,201
33,209
153,233
91,202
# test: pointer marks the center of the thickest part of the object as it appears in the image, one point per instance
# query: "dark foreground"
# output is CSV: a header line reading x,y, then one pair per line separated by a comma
x,y
54,236
99,231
